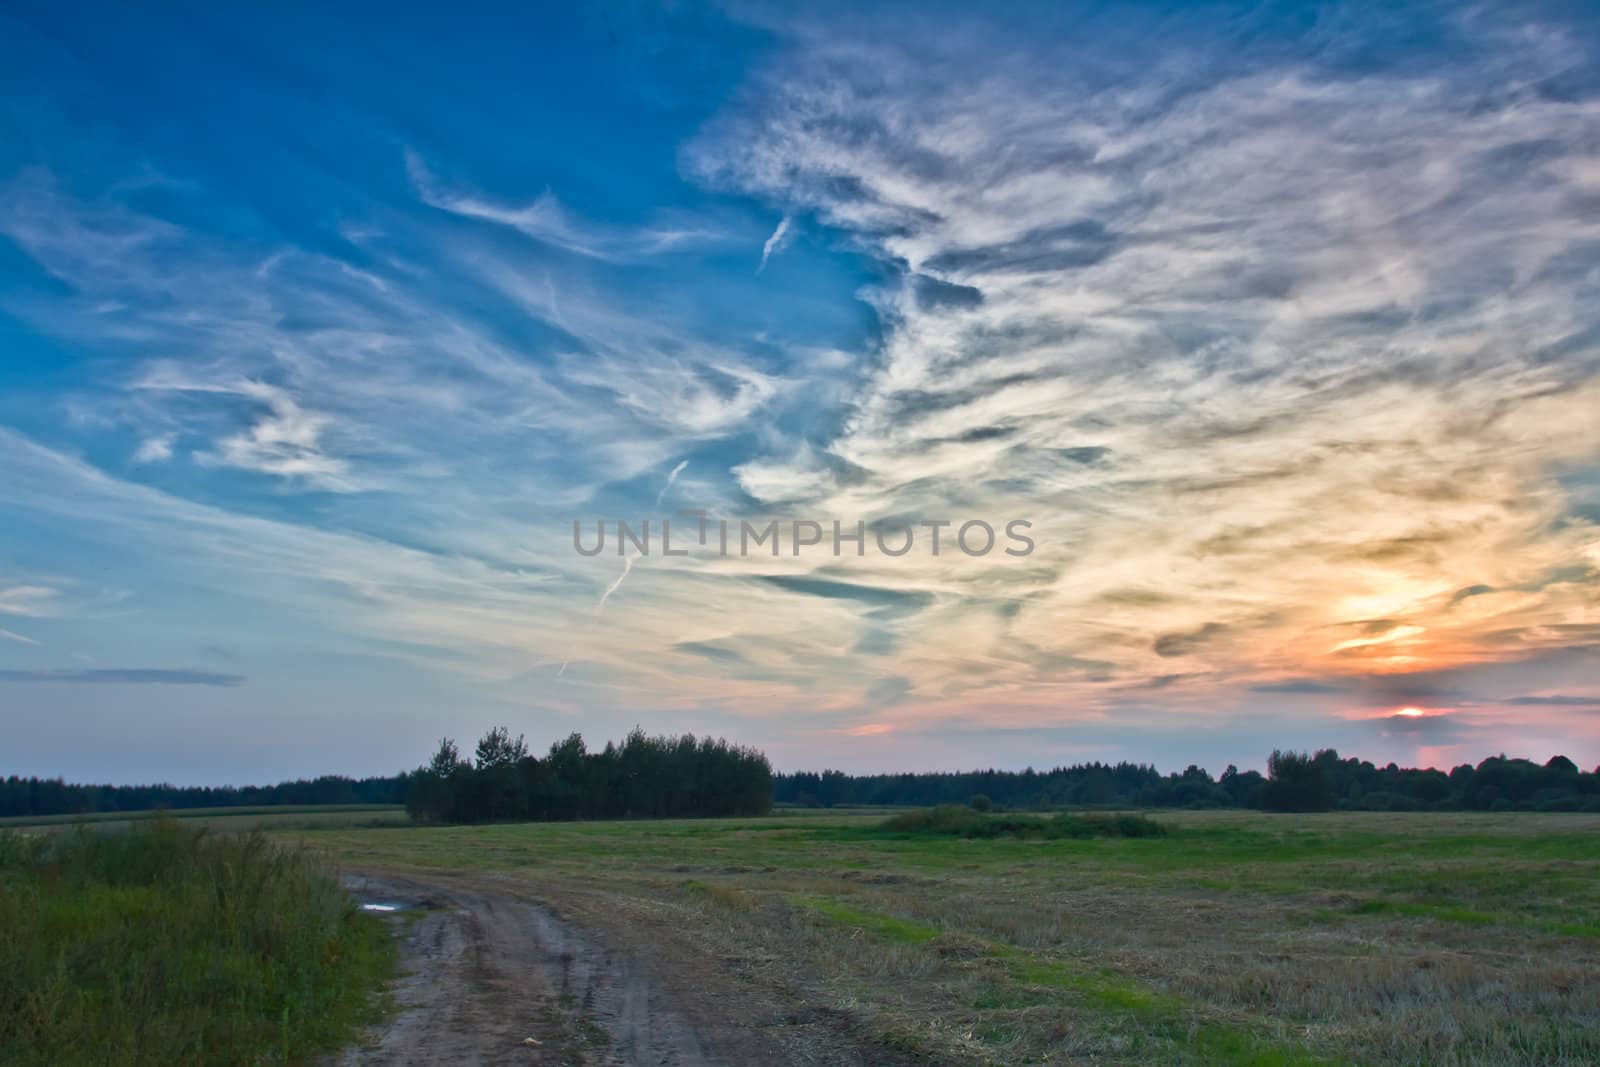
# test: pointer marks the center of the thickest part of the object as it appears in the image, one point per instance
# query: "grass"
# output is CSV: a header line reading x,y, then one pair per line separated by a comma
x,y
886,926
1108,993
242,817
1234,938
165,944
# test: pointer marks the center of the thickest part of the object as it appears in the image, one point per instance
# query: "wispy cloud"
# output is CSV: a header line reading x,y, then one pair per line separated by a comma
x,y
1308,401
1299,688
27,600
286,441
330,375
1285,348
801,475
125,677
12,635
1559,701
692,399
156,449
545,219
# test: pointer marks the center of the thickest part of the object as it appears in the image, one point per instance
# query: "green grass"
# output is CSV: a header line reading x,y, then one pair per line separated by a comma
x,y
886,926
164,944
1442,912
1168,1018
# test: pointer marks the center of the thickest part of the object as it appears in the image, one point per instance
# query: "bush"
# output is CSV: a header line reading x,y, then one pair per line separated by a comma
x,y
955,820
980,803
1104,826
156,944
952,819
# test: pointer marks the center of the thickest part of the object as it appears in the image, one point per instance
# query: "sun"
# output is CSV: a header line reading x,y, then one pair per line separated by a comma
x,y
1411,713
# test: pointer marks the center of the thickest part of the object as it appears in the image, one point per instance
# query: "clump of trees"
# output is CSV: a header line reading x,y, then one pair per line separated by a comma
x,y
1319,781
643,777
1298,781
1302,782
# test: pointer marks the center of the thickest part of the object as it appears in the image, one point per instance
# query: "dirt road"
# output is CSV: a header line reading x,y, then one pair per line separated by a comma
x,y
492,974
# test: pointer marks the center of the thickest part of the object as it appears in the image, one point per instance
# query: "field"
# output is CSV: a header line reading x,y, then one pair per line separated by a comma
x,y
1239,938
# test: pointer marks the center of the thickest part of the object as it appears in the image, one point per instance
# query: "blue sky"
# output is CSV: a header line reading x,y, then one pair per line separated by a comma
x,y
1277,323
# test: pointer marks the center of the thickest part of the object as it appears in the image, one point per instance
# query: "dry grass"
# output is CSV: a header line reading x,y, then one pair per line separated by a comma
x,y
1240,938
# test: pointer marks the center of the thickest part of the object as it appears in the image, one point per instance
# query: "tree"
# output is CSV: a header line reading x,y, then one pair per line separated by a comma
x,y
430,798
566,765
496,749
446,759
1297,781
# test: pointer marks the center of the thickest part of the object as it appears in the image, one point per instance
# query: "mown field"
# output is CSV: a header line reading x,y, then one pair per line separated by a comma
x,y
1237,938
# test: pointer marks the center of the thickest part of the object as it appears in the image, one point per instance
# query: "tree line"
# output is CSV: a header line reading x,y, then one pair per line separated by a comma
x,y
1295,781
54,796
672,776
643,777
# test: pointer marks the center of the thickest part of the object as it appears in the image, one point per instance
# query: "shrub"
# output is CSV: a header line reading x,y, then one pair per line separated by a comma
x,y
955,820
952,819
156,944
1065,825
979,802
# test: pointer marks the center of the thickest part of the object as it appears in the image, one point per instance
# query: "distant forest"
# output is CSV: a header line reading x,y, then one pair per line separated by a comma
x,y
665,777
1294,782
52,796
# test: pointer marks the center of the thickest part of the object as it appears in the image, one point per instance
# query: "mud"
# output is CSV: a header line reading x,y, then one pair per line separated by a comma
x,y
488,978
492,975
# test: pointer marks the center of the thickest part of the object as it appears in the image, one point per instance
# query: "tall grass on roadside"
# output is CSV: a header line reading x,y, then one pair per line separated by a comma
x,y
956,820
159,944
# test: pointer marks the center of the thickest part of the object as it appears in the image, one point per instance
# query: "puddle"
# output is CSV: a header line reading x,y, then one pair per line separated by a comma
x,y
385,906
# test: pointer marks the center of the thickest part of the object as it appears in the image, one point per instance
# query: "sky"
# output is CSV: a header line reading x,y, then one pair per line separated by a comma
x,y
1279,325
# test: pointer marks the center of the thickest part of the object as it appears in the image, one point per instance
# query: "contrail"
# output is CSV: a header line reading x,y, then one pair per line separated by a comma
x,y
670,479
627,565
13,636
627,561
774,243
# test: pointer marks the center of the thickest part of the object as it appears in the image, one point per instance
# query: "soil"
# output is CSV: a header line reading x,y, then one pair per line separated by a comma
x,y
492,973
